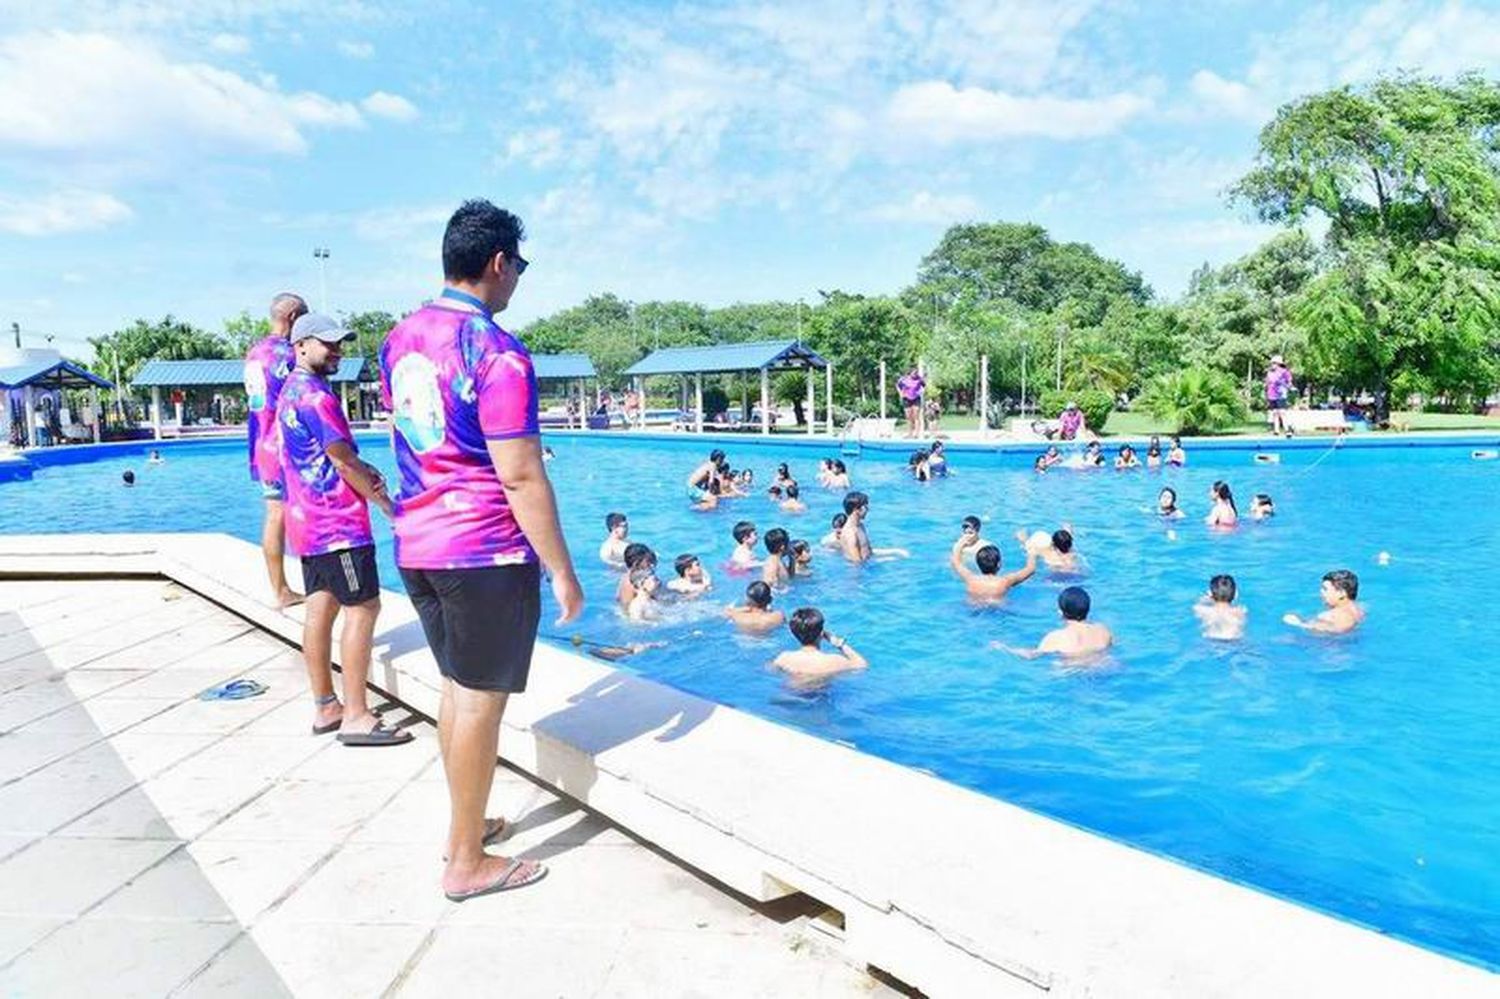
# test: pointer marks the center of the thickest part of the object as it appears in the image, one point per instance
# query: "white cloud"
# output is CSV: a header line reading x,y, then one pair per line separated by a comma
x,y
936,111
538,147
392,106
96,95
60,212
1226,98
926,207
357,50
229,44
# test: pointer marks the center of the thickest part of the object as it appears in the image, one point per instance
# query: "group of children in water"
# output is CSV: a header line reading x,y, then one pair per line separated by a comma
x,y
976,561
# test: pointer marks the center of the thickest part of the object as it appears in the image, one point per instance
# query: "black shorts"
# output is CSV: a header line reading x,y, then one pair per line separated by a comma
x,y
350,575
1276,403
481,623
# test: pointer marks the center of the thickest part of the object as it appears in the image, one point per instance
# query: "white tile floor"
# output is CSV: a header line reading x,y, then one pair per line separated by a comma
x,y
152,844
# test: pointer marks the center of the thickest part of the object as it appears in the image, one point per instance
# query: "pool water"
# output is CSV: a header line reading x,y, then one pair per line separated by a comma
x,y
1358,775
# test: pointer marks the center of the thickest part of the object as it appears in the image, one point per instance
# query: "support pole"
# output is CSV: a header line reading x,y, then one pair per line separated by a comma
x,y
984,393
640,402
344,397
698,400
828,395
882,393
94,415
812,404
1023,383
156,411
765,400
29,401
922,409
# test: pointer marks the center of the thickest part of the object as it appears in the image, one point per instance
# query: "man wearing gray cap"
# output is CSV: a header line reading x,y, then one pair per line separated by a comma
x,y
328,489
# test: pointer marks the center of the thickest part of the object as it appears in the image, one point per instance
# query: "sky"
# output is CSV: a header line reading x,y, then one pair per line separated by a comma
x,y
187,156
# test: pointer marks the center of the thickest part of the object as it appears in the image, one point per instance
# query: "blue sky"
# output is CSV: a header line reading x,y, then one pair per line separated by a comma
x,y
186,156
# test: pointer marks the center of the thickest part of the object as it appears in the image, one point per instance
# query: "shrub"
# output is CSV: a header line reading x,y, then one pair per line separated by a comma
x,y
1195,400
1096,404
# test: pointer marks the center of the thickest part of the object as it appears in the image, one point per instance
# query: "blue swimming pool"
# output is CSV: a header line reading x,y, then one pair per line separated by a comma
x,y
1356,775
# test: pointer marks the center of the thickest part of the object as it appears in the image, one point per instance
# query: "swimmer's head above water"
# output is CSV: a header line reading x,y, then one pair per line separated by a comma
x,y
1338,586
807,625
855,500
685,564
1062,540
971,525
758,595
744,532
617,524
1166,501
1222,588
988,560
637,554
776,540
1074,603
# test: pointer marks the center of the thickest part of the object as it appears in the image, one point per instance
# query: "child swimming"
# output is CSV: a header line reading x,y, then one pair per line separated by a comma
x,y
774,571
1224,512
1261,507
1078,637
831,539
756,616
1176,457
809,659
793,502
1216,611
743,556
692,579
1166,505
1153,452
839,475
1340,594
642,606
1126,458
986,584
1055,549
617,530
637,555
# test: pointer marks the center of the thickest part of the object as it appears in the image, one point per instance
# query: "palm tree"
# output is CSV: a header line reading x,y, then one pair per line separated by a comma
x,y
1195,400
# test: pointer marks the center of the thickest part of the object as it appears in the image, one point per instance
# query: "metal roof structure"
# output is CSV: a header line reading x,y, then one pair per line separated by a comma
x,y
768,354
184,374
563,366
51,374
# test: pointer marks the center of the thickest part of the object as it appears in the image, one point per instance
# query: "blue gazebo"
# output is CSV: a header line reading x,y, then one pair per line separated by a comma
x,y
764,356
31,377
157,374
574,368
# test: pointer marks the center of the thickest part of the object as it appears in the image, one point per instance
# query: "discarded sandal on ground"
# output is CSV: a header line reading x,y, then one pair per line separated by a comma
x,y
377,736
234,690
511,877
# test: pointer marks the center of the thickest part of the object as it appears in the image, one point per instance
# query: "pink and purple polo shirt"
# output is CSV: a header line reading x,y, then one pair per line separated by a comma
x,y
323,512
267,365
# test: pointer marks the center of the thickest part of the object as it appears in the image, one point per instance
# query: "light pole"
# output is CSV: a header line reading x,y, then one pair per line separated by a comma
x,y
1062,328
321,254
1023,379
16,329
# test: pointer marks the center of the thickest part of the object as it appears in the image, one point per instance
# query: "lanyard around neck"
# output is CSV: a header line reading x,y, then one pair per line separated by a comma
x,y
462,296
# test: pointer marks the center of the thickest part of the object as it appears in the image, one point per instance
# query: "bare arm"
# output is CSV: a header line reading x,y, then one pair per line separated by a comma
x,y
856,661
1024,573
956,560
362,477
518,464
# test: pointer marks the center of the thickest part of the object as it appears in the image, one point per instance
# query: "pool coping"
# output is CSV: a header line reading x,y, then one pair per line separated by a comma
x,y
951,891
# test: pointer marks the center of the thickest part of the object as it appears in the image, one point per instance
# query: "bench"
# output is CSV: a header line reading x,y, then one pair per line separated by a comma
x,y
1303,420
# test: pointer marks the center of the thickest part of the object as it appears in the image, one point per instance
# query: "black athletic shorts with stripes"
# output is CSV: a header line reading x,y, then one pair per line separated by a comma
x,y
350,575
480,623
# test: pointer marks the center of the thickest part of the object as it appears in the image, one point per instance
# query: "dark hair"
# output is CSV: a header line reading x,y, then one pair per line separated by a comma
x,y
1222,587
475,233
792,491
972,521
838,466
715,487
636,553
800,546
1154,447
613,520
758,594
1221,490
917,457
936,447
839,520
743,530
1062,541
128,477
774,491
783,471
775,540
683,563
1264,499
988,560
1168,489
854,500
807,625
1343,579
748,474
1041,462
716,456
1074,603
723,466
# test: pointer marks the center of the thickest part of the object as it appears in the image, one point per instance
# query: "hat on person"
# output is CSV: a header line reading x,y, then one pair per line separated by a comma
x,y
325,328
1071,405
1276,359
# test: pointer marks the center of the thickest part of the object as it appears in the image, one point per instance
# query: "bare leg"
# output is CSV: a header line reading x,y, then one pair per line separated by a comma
x,y
469,734
354,655
317,652
272,544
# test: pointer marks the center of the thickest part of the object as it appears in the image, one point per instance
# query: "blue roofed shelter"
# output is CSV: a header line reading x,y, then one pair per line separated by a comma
x,y
566,368
764,356
31,375
157,374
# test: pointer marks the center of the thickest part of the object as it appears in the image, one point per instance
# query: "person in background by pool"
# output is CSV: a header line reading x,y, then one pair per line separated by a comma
x,y
743,556
783,476
831,539
267,365
643,581
702,475
612,551
1176,456
986,584
636,556
547,453
476,521
729,485
1078,638
128,478
910,387
328,492
1217,612
1261,507
801,553
1224,512
838,477
709,499
775,571
809,660
1166,505
1093,455
1040,466
1055,549
1153,452
825,470
1340,594
746,481
1278,384
756,616
1071,423
692,579
155,458
917,465
854,540
1126,458
1052,456
793,503
937,460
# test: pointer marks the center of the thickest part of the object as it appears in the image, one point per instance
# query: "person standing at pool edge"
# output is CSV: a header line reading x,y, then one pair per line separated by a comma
x,y
910,387
328,488
1278,384
267,364
474,516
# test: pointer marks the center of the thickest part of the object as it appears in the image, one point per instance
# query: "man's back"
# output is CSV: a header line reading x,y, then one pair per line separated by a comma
x,y
267,364
1076,639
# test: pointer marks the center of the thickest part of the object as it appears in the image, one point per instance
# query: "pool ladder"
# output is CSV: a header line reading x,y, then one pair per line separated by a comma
x,y
854,448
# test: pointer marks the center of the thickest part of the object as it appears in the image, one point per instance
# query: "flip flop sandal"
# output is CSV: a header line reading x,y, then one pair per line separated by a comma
x,y
332,726
508,880
234,690
377,736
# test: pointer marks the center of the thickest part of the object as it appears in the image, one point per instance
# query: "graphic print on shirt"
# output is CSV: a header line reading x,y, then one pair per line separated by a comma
x,y
417,403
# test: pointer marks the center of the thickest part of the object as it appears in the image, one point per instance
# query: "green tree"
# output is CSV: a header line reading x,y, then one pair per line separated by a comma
x,y
243,331
169,339
1195,400
370,329
856,333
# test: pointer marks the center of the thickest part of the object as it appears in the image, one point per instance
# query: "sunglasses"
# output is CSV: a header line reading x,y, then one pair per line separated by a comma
x,y
521,263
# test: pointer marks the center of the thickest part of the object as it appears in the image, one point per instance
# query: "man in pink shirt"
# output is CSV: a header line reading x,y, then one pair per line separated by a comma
x,y
476,519
1278,385
267,365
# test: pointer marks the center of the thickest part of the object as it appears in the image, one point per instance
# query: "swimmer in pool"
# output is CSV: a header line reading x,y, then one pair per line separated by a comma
x,y
831,539
1176,457
756,616
547,453
1055,549
793,502
699,478
155,458
1261,507
986,584
1166,505
1216,610
783,475
636,555
1340,594
128,477
1153,452
1052,456
1093,456
801,553
775,571
1077,638
839,476
1040,466
729,484
617,531
1126,458
854,539
937,461
918,466
969,533
692,579
825,470
642,606
746,481
745,536
1224,512
809,659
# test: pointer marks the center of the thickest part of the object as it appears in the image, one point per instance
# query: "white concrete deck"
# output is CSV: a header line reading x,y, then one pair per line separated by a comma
x,y
152,844
953,892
